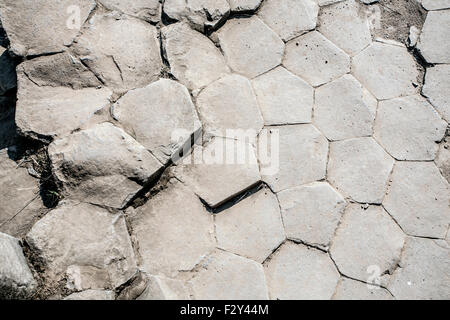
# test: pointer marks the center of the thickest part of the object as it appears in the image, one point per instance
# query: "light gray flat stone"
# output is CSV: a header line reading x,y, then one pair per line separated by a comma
x,y
409,128
437,89
387,71
434,43
102,165
162,288
173,230
315,59
346,25
344,109
435,4
311,213
194,59
306,145
422,272
289,18
212,280
348,289
443,160
85,244
418,199
16,279
251,228
359,168
244,5
365,238
250,47
91,295
167,117
283,97
148,10
294,272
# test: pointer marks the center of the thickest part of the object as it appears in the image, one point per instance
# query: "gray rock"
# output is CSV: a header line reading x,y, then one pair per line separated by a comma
x,y
418,199
148,10
162,288
422,272
434,43
90,170
348,289
85,244
250,47
437,89
244,5
16,279
176,121
443,160
92,295
435,4
194,60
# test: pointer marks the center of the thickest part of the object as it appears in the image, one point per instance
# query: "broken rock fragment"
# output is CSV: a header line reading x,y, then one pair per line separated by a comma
x,y
16,279
85,244
89,170
45,26
148,10
160,116
202,15
193,58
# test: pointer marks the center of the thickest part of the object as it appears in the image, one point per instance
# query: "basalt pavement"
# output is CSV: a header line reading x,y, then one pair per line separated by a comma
x,y
344,191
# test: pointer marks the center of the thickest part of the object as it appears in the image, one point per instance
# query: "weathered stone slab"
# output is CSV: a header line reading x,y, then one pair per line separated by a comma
x,y
435,4
443,160
92,295
244,5
162,288
437,89
348,289
434,43
148,10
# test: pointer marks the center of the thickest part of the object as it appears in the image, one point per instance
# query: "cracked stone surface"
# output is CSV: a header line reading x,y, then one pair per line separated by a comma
x,y
289,18
16,279
344,109
420,276
174,231
85,244
366,237
293,271
103,176
311,213
250,46
359,168
418,199
305,144
252,228
315,59
224,149
212,281
283,97
437,89
409,128
434,43
388,71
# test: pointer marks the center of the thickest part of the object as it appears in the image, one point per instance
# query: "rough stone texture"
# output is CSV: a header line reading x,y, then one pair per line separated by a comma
x,y
177,120
20,201
92,295
109,45
162,288
85,244
387,71
43,112
289,18
423,269
8,77
294,270
250,47
365,238
344,109
225,276
359,168
90,170
346,25
305,144
173,231
216,180
47,26
443,160
409,128
148,10
193,58
252,228
244,5
434,43
311,213
16,279
202,15
315,59
418,199
348,289
283,97
229,104
437,89
435,4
